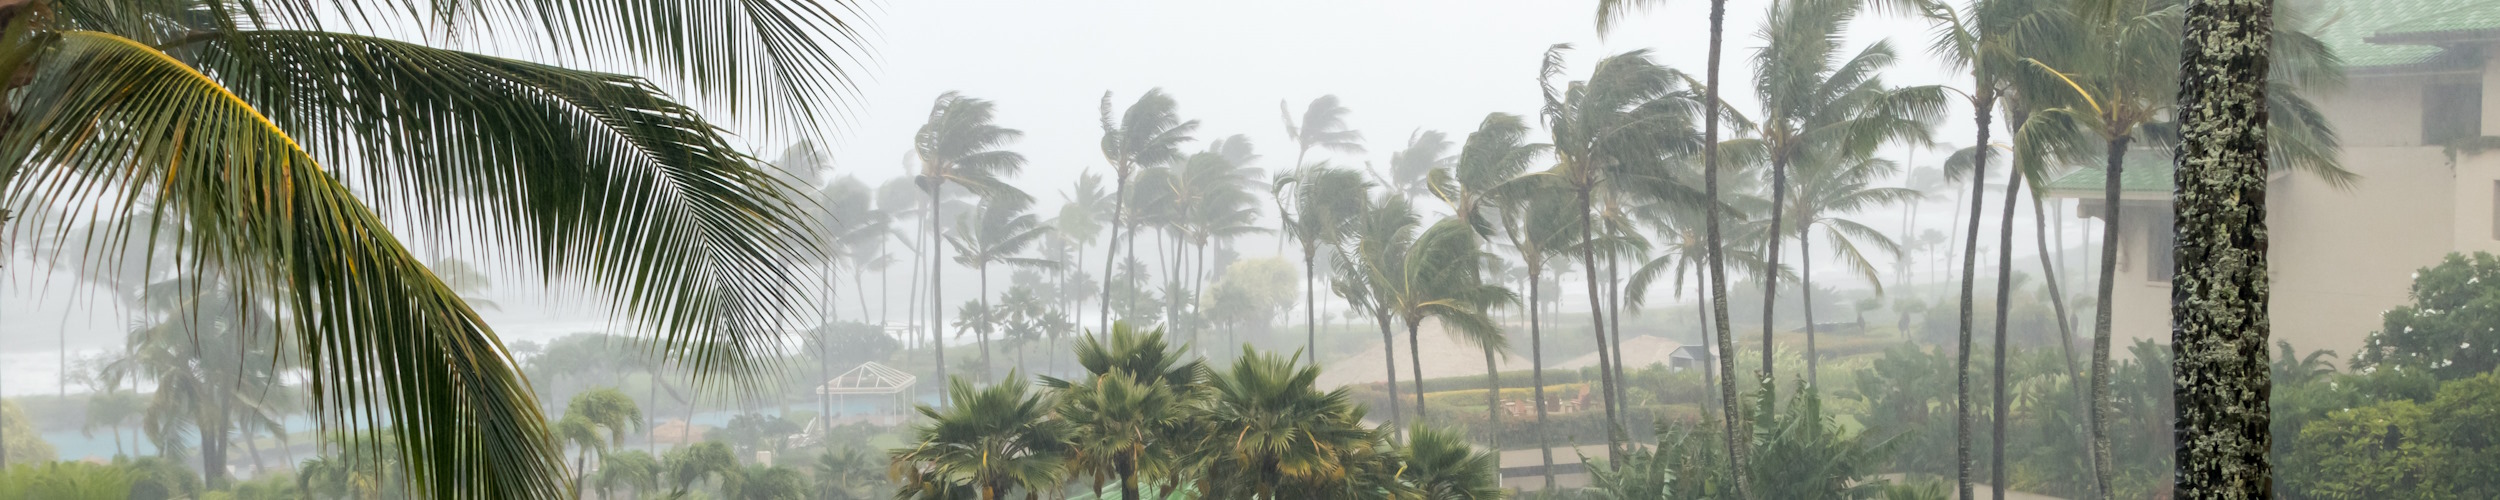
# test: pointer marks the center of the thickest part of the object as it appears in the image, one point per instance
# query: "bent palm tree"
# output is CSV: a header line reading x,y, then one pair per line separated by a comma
x,y
1426,151
996,232
960,146
1827,193
267,137
1318,212
1149,134
1434,275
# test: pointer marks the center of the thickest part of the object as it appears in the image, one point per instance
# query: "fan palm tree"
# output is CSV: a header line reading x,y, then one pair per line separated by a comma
x,y
1608,13
126,95
1128,414
1445,467
960,146
1827,194
1275,435
1823,110
1426,151
993,440
1317,212
1612,128
997,232
1149,134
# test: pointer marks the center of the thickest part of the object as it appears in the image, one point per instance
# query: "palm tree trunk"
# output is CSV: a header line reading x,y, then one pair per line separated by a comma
x,y
1614,319
2000,412
1310,300
1597,321
911,307
1415,361
1701,312
859,289
937,295
1536,371
2065,326
1110,249
1389,354
1805,287
1771,277
2117,154
1493,408
213,445
987,370
1981,107
1736,427
2218,296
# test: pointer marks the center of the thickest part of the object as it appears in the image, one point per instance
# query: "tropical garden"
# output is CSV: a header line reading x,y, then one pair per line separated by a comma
x,y
254,181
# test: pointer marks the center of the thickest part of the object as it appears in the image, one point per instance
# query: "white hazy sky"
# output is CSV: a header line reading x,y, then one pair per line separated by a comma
x,y
1401,65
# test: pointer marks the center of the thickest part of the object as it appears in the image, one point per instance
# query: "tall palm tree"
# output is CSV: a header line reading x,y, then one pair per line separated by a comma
x,y
1497,153
1434,276
1822,109
1537,218
593,175
993,440
1128,413
997,232
628,469
1148,134
1317,212
960,146
1211,199
1612,128
1426,151
1827,194
1322,125
1080,219
851,230
211,356
1609,12
1446,468
1374,241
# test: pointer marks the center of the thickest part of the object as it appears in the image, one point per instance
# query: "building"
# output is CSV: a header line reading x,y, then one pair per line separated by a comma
x,y
2342,257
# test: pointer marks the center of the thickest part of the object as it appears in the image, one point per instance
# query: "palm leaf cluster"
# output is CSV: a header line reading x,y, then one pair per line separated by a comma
x,y
1153,421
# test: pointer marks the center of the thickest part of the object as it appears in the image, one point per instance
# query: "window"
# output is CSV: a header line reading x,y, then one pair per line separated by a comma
x,y
2162,239
2451,111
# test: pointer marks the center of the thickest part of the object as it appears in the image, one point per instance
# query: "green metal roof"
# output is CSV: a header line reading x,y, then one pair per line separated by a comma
x,y
2352,24
2147,171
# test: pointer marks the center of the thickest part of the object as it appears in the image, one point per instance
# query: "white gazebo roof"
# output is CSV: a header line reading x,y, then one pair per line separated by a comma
x,y
868,378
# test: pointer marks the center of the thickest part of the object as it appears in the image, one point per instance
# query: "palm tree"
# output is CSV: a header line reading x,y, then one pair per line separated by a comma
x,y
1497,153
588,414
1148,134
2221,298
1612,128
1609,12
1434,276
211,371
1426,151
993,440
464,140
1827,193
1445,467
1538,221
1210,199
1372,249
1323,200
1128,414
997,232
1322,125
634,469
1821,111
960,146
853,233
683,467
1080,218
845,474
1276,436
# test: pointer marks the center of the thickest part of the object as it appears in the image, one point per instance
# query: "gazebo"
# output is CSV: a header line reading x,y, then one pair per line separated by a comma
x,y
868,379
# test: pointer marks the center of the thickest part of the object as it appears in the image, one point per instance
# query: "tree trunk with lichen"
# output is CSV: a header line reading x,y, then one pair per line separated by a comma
x,y
2218,296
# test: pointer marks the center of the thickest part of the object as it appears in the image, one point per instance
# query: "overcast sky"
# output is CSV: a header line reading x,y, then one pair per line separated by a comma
x,y
1400,65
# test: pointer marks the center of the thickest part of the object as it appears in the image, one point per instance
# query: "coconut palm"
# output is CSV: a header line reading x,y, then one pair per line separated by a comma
x,y
854,233
1149,134
1434,276
960,146
212,356
1127,415
1827,194
1608,130
1538,222
683,467
845,474
587,416
1496,154
993,440
997,232
1608,13
1823,109
1275,435
1080,219
1209,198
550,157
1445,467
1426,151
627,469
1322,125
1316,205
1377,235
